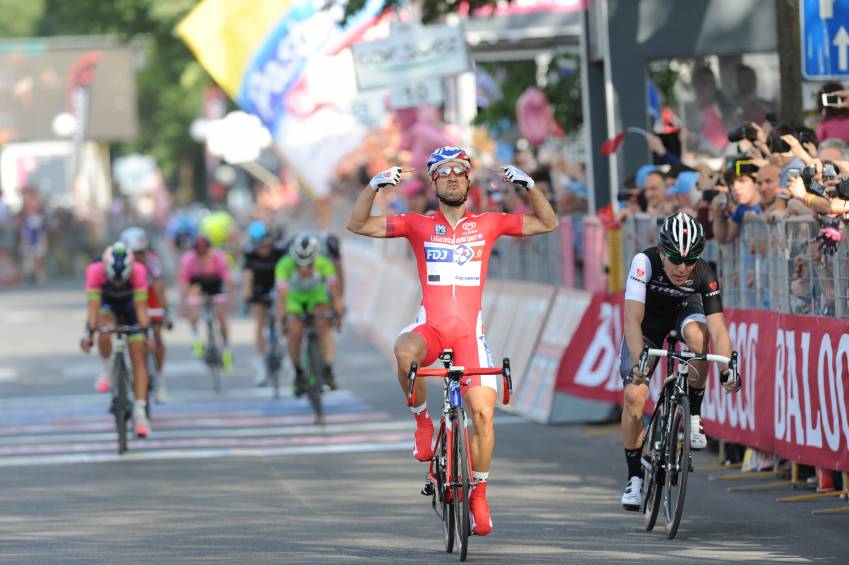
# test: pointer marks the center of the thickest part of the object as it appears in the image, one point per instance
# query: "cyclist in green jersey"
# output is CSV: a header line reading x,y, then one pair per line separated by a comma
x,y
306,282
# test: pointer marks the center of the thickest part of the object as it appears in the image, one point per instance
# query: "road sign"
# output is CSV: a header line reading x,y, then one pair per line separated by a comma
x,y
825,39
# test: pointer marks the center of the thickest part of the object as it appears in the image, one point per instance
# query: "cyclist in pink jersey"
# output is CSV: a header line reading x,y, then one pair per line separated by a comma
x,y
117,295
205,271
452,249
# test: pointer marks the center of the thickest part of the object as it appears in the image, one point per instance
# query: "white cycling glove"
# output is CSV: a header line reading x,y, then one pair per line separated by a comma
x,y
389,177
518,177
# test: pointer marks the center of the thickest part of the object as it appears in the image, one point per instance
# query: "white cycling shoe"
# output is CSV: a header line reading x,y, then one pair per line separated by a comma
x,y
698,439
632,500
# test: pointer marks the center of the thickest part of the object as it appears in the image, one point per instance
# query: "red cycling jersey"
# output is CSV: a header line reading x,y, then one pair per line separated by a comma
x,y
452,264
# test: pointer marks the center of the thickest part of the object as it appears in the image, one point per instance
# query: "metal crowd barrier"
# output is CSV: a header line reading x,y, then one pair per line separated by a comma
x,y
776,266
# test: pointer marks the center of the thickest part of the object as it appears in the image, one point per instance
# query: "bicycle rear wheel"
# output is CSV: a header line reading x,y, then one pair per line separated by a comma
x,y
678,468
120,401
315,366
460,484
440,498
651,461
213,357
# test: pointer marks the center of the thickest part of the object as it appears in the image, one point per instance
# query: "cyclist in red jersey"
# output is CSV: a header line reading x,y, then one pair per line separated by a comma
x,y
452,249
157,305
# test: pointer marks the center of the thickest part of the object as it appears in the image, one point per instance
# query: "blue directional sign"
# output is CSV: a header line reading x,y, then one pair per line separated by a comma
x,y
825,39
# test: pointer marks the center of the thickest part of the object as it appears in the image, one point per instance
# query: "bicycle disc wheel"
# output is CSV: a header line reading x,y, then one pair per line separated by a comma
x,y
678,457
315,366
651,462
120,402
460,485
446,510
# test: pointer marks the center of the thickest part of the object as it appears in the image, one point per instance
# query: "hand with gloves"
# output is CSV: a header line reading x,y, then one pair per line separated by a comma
x,y
389,177
518,177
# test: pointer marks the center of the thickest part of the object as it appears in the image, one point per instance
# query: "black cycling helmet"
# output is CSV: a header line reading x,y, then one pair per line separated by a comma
x,y
681,235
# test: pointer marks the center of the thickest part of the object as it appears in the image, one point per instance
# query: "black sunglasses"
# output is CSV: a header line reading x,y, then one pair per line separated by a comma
x,y
676,260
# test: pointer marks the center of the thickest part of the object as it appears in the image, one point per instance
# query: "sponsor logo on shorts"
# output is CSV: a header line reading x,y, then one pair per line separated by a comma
x,y
712,293
440,229
713,285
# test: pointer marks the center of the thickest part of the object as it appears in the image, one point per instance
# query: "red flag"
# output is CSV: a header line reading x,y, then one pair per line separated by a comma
x,y
610,146
608,218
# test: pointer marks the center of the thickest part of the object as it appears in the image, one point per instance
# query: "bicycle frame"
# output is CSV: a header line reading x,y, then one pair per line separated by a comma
x,y
212,354
121,406
457,473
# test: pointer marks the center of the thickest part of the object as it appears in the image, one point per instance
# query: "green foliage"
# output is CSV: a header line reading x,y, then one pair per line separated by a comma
x,y
19,18
562,88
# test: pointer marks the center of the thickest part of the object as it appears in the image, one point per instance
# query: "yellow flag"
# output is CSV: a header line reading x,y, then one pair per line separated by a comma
x,y
224,35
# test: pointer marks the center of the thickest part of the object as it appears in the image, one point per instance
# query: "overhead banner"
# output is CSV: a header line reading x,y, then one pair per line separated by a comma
x,y
260,53
795,372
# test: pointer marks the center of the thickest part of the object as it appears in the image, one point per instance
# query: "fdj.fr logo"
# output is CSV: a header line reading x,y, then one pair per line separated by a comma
x,y
464,254
437,255
440,229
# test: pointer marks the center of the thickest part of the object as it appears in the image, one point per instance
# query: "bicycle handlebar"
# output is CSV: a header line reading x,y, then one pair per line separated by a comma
x,y
690,356
456,373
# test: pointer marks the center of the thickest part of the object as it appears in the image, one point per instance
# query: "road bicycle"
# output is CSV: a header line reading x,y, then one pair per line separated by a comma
x,y
666,459
122,406
449,472
312,361
274,349
212,349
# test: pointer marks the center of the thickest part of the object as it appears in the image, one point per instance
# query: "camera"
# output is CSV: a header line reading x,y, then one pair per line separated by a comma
x,y
709,194
829,170
743,131
811,185
831,99
842,188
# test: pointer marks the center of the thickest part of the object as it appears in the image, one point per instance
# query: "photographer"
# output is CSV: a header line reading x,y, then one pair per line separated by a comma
x,y
823,185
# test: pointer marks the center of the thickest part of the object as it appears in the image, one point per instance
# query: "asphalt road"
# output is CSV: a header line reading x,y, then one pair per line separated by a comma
x,y
240,478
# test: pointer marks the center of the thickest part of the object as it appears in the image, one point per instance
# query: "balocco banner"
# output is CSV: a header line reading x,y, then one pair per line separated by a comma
x,y
795,373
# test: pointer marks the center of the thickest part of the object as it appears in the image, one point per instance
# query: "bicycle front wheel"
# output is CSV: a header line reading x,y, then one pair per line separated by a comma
x,y
315,366
121,402
446,510
651,461
460,484
678,465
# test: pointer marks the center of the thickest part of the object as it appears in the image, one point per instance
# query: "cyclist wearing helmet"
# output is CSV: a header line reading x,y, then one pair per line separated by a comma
x,y
259,259
669,287
135,239
303,278
117,295
452,249
205,272
222,231
329,246
181,231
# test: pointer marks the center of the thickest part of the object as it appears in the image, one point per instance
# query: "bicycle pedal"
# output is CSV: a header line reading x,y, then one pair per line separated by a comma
x,y
427,489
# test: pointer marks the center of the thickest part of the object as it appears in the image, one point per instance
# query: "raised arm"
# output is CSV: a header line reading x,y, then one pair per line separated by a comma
x,y
542,218
361,222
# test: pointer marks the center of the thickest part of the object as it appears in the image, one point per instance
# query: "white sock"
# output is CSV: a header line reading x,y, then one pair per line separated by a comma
x,y
480,477
419,409
107,365
140,405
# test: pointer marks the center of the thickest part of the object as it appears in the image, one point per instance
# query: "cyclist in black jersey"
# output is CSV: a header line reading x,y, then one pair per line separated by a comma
x,y
669,287
259,260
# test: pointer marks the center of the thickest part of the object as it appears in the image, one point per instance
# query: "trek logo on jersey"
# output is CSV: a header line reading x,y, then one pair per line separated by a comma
x,y
440,229
435,253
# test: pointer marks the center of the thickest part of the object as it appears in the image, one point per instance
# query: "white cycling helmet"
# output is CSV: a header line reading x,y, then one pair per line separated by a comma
x,y
118,262
135,238
304,249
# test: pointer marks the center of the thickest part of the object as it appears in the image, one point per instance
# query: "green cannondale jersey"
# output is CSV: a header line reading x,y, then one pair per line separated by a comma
x,y
286,274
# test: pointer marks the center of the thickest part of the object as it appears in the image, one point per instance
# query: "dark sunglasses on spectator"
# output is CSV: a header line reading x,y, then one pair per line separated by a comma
x,y
458,170
676,260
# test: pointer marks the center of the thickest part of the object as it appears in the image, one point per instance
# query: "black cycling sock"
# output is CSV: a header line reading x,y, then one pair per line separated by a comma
x,y
696,396
632,456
